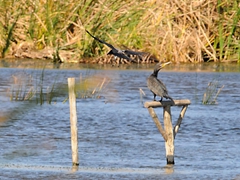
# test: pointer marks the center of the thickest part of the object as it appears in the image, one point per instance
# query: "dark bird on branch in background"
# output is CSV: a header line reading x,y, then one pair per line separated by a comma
x,y
155,85
125,54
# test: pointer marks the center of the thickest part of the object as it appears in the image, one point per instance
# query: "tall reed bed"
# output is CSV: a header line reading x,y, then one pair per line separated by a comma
x,y
180,31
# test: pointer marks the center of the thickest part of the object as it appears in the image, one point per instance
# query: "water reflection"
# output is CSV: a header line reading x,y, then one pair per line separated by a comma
x,y
169,169
40,64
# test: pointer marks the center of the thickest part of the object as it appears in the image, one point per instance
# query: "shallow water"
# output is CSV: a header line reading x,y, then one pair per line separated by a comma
x,y
117,137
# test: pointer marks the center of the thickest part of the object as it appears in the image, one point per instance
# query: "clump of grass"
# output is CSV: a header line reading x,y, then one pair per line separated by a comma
x,y
91,86
45,95
25,89
22,89
212,92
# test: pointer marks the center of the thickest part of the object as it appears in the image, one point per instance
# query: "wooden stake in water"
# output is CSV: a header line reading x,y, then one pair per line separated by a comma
x,y
169,144
168,132
73,121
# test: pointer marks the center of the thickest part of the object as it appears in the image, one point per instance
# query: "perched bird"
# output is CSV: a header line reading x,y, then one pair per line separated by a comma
x,y
155,85
125,54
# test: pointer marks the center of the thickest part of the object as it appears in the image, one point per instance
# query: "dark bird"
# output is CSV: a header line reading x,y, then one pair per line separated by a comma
x,y
125,54
155,85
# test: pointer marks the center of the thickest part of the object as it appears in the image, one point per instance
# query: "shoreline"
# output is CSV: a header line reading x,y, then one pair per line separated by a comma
x,y
173,67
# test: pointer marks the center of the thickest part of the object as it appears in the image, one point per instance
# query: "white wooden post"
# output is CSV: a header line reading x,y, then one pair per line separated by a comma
x,y
73,121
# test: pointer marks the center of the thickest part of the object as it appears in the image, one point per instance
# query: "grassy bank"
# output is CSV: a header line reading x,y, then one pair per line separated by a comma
x,y
180,31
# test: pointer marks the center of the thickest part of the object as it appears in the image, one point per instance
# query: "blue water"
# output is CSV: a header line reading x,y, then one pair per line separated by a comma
x,y
117,137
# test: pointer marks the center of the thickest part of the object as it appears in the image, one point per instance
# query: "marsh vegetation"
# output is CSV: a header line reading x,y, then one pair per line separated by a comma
x,y
26,86
212,91
180,31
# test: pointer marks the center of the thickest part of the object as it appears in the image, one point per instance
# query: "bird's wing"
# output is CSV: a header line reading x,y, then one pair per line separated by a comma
x,y
123,55
162,86
120,54
157,87
101,41
130,52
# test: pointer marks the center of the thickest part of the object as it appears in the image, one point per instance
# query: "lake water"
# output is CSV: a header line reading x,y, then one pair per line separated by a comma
x,y
117,137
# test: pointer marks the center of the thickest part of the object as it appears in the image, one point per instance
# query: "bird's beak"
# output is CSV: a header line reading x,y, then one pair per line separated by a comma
x,y
164,64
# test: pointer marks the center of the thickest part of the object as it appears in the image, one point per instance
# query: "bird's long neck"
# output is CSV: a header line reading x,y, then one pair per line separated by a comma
x,y
155,72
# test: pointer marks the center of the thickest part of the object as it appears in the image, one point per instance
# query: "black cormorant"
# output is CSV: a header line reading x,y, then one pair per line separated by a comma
x,y
155,85
125,54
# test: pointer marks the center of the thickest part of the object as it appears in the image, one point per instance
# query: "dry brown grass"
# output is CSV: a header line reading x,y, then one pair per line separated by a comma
x,y
179,31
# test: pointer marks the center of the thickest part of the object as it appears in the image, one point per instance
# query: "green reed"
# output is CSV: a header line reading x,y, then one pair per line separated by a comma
x,y
21,89
180,31
8,23
27,88
227,43
212,92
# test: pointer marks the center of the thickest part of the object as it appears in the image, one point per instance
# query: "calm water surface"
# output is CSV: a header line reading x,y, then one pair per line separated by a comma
x,y
117,137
